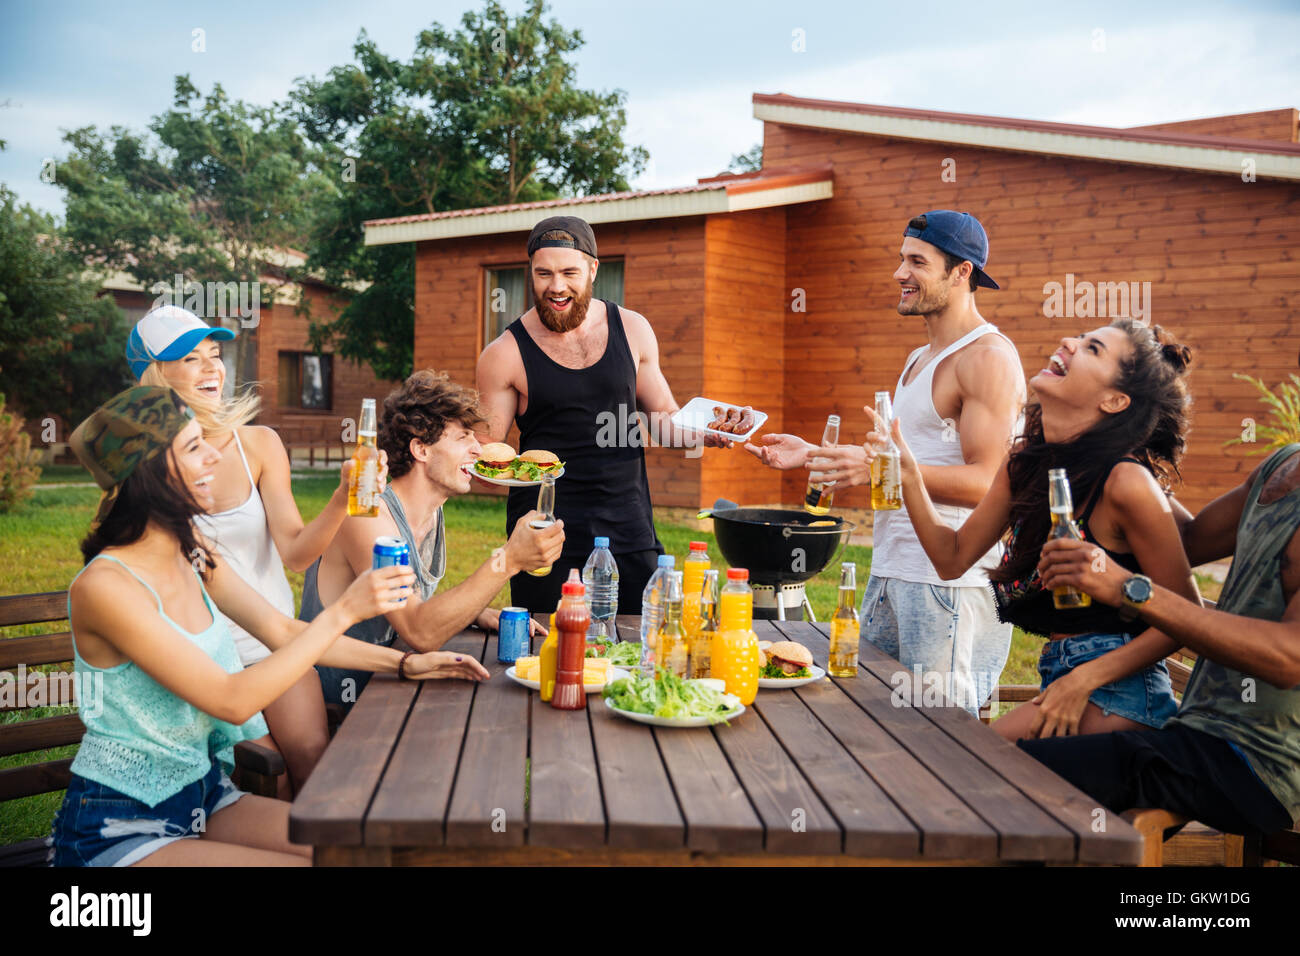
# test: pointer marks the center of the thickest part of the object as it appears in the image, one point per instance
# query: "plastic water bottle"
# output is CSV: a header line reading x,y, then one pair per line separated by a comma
x,y
600,575
652,612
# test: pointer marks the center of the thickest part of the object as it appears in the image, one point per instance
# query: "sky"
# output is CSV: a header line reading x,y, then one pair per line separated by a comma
x,y
689,69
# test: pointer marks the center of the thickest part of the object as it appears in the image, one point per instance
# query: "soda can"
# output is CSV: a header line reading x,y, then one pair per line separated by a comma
x,y
390,550
513,641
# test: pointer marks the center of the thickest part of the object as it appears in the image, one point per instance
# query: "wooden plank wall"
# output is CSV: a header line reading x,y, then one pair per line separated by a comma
x,y
744,342
1220,255
280,328
1266,124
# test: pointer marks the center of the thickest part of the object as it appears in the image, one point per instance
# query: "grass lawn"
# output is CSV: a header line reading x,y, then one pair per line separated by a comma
x,y
39,552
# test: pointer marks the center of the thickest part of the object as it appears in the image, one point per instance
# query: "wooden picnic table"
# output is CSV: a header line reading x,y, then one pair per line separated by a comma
x,y
834,772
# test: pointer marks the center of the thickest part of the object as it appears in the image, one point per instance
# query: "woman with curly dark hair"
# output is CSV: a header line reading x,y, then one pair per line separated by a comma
x,y
1112,410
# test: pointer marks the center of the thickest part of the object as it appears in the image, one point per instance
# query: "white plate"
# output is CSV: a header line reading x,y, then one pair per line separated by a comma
x,y
513,482
615,673
654,721
785,683
696,414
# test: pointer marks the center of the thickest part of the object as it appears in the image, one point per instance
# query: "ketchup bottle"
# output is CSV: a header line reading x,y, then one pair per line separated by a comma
x,y
572,619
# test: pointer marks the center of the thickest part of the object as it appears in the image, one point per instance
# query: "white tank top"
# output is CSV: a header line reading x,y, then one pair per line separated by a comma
x,y
243,538
897,553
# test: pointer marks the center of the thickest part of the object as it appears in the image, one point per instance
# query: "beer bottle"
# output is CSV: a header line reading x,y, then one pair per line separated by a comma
x,y
673,653
886,467
546,505
844,625
363,485
702,640
1063,526
817,497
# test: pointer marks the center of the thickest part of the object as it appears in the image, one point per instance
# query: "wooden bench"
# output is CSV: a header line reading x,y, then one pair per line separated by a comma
x,y
256,767
315,439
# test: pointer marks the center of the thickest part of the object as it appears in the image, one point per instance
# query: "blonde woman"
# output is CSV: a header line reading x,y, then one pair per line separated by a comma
x,y
253,518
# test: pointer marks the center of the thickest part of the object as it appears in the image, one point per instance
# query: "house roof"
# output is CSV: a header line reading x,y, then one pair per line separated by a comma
x,y
1273,159
717,194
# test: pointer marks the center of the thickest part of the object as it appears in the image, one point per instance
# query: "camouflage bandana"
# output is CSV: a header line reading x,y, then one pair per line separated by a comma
x,y
125,432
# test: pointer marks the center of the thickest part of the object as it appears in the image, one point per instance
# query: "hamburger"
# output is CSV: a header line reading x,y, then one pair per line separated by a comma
x,y
532,464
787,659
495,460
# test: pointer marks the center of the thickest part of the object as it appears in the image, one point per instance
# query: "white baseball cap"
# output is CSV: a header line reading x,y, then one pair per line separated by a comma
x,y
166,334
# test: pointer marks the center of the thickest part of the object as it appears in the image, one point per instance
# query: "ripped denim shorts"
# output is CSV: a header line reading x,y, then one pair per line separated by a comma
x,y
100,826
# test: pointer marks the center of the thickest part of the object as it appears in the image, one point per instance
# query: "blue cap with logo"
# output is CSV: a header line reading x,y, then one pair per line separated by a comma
x,y
166,334
958,234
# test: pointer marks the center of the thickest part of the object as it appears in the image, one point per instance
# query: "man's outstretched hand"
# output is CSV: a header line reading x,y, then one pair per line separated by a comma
x,y
781,451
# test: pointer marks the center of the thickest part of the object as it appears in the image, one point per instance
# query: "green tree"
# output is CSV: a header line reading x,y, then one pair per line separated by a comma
x,y
217,190
747,162
61,346
489,113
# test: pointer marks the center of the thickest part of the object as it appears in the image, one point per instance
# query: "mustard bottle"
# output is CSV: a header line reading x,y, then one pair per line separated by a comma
x,y
549,657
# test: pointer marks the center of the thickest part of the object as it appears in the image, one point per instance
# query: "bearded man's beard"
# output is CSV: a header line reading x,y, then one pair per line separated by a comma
x,y
570,318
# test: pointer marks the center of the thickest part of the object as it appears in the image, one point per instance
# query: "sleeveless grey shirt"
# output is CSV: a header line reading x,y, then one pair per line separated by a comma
x,y
428,561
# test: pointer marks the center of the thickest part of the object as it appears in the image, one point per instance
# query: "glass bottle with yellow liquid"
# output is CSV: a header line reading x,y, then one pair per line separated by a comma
x,y
886,467
697,562
817,496
702,640
546,505
844,625
1063,526
363,485
735,655
673,652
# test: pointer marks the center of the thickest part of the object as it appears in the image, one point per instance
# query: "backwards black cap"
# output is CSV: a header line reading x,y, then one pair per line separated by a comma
x,y
580,236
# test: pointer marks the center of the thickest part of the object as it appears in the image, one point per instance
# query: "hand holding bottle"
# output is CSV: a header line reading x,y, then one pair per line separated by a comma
x,y
839,464
879,436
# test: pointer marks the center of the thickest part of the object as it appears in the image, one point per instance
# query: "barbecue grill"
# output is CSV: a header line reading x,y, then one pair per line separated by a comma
x,y
782,549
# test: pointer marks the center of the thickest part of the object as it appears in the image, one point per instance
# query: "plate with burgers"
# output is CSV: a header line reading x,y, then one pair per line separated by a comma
x,y
787,664
499,465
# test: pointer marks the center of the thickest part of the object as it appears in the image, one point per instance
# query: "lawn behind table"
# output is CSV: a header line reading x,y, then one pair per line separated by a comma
x,y
39,552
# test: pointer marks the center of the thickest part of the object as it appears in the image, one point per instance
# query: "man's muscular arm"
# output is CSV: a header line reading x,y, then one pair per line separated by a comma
x,y
992,386
653,394
494,378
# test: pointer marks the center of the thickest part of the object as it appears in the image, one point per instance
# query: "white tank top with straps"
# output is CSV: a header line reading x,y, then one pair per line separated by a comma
x,y
897,553
243,538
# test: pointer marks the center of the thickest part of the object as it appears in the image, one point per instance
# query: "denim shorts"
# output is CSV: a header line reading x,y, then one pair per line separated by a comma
x,y
1146,696
952,633
100,826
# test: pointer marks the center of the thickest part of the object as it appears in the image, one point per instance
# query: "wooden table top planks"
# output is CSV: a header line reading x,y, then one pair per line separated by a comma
x,y
842,771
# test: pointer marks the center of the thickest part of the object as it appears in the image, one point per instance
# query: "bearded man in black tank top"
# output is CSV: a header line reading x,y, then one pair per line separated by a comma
x,y
562,371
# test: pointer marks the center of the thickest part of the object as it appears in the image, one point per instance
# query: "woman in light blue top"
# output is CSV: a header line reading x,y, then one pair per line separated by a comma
x,y
148,784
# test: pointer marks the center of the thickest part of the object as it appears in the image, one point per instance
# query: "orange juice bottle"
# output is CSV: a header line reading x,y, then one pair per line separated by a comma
x,y
549,656
735,656
697,562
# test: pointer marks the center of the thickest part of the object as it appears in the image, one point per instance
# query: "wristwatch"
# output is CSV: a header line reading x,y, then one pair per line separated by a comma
x,y
1136,591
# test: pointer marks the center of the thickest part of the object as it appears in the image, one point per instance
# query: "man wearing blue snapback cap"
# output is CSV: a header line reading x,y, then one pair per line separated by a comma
x,y
959,400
